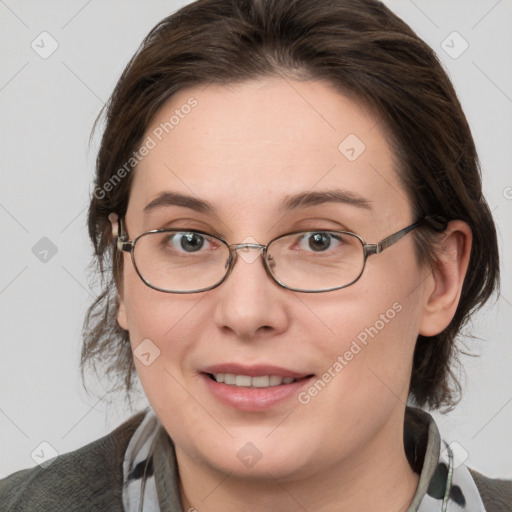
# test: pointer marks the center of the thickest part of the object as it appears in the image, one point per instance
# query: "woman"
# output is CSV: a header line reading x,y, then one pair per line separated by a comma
x,y
289,215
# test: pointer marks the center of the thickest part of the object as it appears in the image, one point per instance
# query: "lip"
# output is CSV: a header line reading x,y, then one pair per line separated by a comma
x,y
253,370
254,399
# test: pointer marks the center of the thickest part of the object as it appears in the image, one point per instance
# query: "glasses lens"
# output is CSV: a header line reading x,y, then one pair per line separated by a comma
x,y
181,261
316,260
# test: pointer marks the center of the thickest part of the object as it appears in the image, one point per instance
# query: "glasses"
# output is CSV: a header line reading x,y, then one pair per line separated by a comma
x,y
190,261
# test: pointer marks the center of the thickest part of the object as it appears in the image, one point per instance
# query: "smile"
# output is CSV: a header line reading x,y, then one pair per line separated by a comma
x,y
245,381
264,388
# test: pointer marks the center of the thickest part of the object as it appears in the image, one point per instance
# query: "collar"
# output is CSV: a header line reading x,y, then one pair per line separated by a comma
x,y
151,480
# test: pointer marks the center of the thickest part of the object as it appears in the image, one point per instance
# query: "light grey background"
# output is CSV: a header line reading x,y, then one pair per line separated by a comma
x,y
47,108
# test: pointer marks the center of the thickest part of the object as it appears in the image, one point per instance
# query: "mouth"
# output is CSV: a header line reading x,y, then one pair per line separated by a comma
x,y
254,388
259,381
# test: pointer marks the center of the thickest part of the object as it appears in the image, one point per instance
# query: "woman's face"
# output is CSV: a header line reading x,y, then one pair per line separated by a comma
x,y
246,149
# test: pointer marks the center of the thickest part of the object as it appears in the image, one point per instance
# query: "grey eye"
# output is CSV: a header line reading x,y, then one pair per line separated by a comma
x,y
188,242
318,242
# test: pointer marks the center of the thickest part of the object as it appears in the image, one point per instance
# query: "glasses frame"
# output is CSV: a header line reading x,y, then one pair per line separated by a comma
x,y
125,245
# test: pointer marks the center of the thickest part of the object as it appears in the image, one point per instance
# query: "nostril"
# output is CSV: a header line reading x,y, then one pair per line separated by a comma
x,y
265,328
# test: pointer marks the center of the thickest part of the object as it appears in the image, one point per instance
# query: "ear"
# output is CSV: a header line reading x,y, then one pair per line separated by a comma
x,y
446,279
121,310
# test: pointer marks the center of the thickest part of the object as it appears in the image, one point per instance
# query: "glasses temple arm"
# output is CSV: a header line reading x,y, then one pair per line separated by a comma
x,y
437,222
122,243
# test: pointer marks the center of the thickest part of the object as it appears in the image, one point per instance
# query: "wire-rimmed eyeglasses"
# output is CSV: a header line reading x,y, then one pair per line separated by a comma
x,y
192,261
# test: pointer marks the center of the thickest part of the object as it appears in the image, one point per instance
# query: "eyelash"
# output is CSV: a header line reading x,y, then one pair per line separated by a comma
x,y
307,225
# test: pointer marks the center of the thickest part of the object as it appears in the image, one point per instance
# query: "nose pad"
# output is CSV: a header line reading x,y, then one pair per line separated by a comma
x,y
249,249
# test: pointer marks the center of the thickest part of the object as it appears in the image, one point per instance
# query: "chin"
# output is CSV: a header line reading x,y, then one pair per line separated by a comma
x,y
252,457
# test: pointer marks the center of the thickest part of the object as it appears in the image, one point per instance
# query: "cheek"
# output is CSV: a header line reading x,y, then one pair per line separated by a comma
x,y
365,366
167,327
374,328
159,325
153,314
162,329
366,336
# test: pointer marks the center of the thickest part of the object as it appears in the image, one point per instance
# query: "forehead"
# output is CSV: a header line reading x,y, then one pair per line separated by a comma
x,y
247,145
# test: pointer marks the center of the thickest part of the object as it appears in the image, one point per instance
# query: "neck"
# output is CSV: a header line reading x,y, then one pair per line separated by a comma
x,y
379,474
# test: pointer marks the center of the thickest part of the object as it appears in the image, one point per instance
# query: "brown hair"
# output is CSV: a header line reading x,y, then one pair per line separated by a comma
x,y
366,51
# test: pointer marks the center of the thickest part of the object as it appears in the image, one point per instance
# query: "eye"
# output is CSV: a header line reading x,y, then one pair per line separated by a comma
x,y
319,241
186,241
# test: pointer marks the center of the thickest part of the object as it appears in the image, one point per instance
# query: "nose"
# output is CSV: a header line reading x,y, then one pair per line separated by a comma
x,y
249,304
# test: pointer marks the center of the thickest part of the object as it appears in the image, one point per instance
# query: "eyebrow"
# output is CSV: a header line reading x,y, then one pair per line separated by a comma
x,y
294,202
176,199
329,196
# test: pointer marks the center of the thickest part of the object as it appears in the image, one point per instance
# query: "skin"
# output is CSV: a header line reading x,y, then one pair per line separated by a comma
x,y
244,148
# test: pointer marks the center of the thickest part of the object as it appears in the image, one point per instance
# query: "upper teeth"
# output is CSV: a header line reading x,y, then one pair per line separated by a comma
x,y
262,381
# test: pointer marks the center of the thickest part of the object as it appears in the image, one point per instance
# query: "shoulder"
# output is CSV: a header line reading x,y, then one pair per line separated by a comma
x,y
496,494
88,479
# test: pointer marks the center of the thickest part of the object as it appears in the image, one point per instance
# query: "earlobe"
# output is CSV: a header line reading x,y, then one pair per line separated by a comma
x,y
441,299
113,218
121,314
